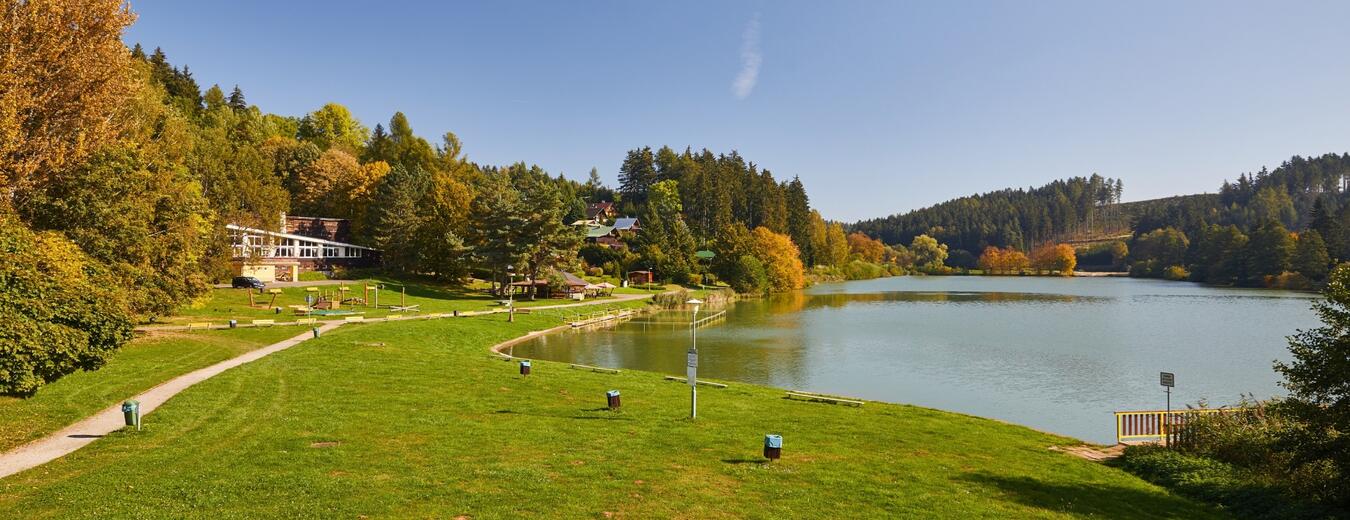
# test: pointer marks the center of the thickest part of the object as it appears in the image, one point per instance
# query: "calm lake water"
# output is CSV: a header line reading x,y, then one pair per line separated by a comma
x,y
1055,354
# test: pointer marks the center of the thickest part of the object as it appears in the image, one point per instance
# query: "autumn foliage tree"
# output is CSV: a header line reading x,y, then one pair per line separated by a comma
x,y
1055,258
65,77
866,248
782,262
1002,260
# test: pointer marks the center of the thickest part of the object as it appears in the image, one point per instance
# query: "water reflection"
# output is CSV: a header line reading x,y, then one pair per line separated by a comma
x,y
1055,354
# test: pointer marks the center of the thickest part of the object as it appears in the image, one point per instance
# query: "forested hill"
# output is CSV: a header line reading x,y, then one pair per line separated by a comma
x,y
1019,218
1084,208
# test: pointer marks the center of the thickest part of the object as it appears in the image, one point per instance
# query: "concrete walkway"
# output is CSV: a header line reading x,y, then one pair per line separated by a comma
x,y
109,420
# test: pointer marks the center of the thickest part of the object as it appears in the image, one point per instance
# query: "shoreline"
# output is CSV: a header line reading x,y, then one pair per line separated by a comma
x,y
496,350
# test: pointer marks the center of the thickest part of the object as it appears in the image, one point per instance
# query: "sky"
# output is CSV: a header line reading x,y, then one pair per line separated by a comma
x,y
880,107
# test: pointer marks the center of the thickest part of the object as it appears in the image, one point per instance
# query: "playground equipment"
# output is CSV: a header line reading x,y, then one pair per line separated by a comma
x,y
403,303
271,303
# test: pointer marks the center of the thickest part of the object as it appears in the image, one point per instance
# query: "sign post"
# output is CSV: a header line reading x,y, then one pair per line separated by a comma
x,y
691,363
1168,380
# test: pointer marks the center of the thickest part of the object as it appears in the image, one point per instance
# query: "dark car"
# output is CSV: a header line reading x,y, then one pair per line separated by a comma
x,y
246,282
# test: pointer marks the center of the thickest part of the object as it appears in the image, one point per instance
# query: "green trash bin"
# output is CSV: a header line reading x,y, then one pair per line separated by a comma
x,y
131,411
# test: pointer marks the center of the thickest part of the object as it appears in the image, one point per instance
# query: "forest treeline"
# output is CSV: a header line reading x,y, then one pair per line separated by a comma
x,y
1019,218
1275,228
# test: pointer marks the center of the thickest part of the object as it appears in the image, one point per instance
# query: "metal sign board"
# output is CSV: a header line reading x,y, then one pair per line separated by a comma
x,y
1167,379
691,368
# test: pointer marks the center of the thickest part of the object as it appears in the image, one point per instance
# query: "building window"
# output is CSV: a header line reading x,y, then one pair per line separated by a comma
x,y
330,251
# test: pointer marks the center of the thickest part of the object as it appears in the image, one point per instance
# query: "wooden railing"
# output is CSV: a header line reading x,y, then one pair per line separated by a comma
x,y
1158,426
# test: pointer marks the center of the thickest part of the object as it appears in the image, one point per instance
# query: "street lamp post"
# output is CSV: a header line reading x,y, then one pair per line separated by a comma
x,y
691,370
510,294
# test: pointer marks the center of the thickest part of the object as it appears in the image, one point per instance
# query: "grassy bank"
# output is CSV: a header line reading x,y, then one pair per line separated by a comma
x,y
415,419
141,364
222,305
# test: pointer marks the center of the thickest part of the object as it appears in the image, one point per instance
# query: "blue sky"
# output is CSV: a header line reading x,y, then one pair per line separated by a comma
x,y
880,107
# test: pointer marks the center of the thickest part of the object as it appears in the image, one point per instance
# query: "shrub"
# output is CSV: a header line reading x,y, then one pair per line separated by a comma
x,y
1218,482
59,311
1176,273
672,299
748,276
862,270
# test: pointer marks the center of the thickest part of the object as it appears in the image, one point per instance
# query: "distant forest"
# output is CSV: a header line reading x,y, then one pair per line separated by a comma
x,y
1281,227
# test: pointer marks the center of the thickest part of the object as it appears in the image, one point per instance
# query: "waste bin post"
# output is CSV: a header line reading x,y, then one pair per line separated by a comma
x,y
131,413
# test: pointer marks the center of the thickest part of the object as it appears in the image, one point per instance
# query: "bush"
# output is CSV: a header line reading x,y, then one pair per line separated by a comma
x,y
59,311
1176,273
862,270
748,276
1211,480
313,276
672,299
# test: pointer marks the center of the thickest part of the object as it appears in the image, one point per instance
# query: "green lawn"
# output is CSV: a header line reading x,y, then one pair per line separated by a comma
x,y
416,420
222,305
141,364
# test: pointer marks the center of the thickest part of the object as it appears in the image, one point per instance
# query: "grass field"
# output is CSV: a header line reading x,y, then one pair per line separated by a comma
x,y
222,305
141,364
416,420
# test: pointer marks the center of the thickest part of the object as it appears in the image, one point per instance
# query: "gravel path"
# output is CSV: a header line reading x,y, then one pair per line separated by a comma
x,y
109,420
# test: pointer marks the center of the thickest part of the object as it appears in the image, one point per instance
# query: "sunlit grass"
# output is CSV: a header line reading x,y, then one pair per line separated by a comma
x,y
416,420
139,365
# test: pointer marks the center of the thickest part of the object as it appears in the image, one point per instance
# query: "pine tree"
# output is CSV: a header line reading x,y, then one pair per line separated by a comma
x,y
1268,251
799,220
236,100
1310,256
637,174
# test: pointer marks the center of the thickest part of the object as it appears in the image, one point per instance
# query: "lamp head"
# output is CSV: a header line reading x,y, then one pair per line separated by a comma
x,y
695,303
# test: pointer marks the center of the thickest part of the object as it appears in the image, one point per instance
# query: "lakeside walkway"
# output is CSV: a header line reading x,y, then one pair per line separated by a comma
x,y
110,419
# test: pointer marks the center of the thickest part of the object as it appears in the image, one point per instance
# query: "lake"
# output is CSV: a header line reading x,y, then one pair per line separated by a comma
x,y
1055,354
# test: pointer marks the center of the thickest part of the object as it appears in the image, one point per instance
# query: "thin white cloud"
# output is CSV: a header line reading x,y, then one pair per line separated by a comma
x,y
750,60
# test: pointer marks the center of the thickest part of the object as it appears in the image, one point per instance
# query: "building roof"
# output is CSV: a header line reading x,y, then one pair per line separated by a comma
x,y
625,223
574,280
596,208
598,231
294,236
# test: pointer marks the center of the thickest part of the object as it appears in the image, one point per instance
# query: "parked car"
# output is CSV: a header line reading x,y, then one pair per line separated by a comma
x,y
246,282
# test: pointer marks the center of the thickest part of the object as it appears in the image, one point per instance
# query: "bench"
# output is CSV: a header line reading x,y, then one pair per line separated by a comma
x,y
350,319
825,398
701,382
198,325
306,321
264,323
594,369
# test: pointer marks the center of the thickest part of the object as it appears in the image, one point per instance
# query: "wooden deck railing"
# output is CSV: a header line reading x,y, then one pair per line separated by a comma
x,y
1158,426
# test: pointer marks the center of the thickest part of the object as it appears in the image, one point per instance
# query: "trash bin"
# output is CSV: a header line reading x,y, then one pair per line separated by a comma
x,y
612,397
316,331
131,412
525,367
773,446
233,324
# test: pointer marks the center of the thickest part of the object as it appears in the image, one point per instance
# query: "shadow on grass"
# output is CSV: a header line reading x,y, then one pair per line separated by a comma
x,y
759,462
1087,499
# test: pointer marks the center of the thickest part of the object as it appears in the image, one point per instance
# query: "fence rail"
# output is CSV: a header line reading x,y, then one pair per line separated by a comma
x,y
1160,426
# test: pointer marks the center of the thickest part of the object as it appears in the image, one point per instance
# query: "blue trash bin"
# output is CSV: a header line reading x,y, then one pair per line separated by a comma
x,y
525,367
612,398
773,446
